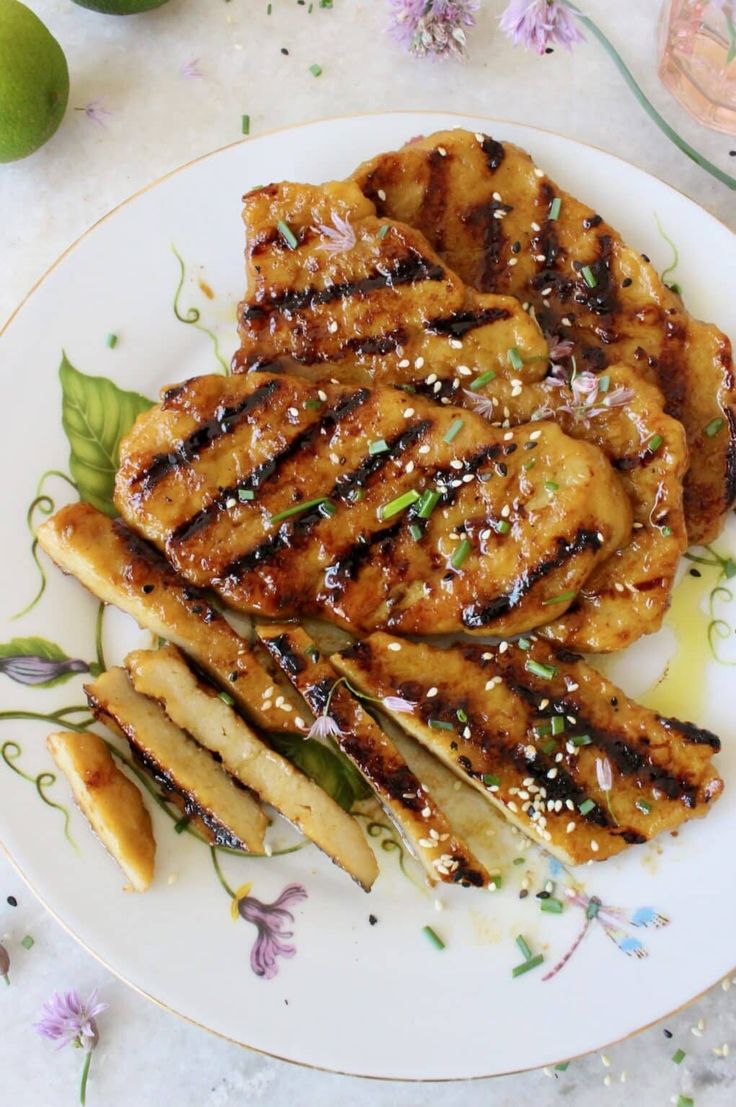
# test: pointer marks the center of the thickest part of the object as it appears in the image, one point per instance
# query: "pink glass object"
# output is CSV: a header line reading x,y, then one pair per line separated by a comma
x,y
697,49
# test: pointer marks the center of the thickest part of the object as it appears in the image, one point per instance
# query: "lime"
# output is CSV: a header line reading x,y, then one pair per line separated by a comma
x,y
34,82
120,7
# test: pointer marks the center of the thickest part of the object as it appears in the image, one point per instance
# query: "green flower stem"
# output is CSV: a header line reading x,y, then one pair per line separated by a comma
x,y
56,719
98,638
649,108
85,1076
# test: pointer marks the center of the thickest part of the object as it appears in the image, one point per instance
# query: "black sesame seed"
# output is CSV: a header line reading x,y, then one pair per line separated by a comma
x,y
542,895
148,588
372,920
516,247
667,1033
626,282
501,469
614,701
523,893
12,901
645,257
732,153
695,573
284,50
232,677
549,50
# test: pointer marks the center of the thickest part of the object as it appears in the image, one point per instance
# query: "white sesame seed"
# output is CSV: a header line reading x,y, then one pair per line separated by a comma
x,y
565,321
619,586
292,411
536,227
404,363
530,754
594,846
516,390
441,151
512,261
394,646
437,387
299,722
456,463
430,379
570,827
535,435
408,412
539,257
230,503
512,806
508,437
606,1060
424,449
499,214
607,1080
479,137
464,371
381,194
505,511
552,774
546,292
426,812
538,173
266,705
456,344
322,395
497,197
432,692
419,363
287,708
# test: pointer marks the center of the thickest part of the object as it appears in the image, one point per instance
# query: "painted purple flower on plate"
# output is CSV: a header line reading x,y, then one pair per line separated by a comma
x,y
271,920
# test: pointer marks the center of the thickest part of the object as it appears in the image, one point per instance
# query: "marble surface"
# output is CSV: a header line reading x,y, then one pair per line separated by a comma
x,y
159,119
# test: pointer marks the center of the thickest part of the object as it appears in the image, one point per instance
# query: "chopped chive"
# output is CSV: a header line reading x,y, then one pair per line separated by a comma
x,y
582,740
644,807
227,698
380,446
589,276
327,508
453,430
530,463
356,494
546,672
427,503
433,937
654,443
541,729
562,1067
678,1056
269,8
181,825
382,231
28,942
416,531
554,208
551,905
313,404
524,644
325,3
549,747
521,942
563,597
551,486
518,861
316,70
483,378
515,358
503,526
558,724
666,532
313,652
491,780
439,724
462,715
297,509
245,494
713,427
496,880
245,124
461,553
604,383
112,341
287,234
527,965
586,807
393,507
685,1101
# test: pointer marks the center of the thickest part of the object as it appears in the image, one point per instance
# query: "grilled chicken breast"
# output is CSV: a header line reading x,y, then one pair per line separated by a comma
x,y
466,362
505,227
370,507
328,283
121,569
198,709
111,803
421,823
556,747
231,815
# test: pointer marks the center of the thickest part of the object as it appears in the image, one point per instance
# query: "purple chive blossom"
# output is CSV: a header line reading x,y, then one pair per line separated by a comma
x,y
398,704
95,111
339,238
271,921
190,69
435,27
34,670
324,726
559,348
586,399
4,964
70,1020
604,773
482,405
536,24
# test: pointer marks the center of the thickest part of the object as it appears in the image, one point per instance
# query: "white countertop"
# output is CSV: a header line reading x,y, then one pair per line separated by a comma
x,y
161,119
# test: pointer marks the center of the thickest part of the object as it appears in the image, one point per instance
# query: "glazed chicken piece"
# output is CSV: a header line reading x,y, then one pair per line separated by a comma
x,y
504,227
559,750
368,506
619,411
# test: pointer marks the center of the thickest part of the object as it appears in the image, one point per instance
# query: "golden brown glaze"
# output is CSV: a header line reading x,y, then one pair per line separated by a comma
x,y
386,300
491,718
207,475
120,568
421,823
485,207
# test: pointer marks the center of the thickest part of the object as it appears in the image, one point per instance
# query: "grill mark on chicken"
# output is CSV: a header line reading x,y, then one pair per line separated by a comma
x,y
224,421
411,269
491,238
291,662
378,344
372,463
476,616
460,322
494,152
435,196
305,440
692,733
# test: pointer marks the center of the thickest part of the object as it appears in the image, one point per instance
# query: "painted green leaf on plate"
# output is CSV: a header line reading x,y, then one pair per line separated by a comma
x,y
38,662
95,415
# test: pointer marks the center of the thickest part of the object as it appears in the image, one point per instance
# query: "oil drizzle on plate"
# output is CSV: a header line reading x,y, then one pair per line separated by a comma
x,y
681,691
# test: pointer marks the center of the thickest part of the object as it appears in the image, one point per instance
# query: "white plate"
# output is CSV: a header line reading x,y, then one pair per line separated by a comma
x,y
377,1000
